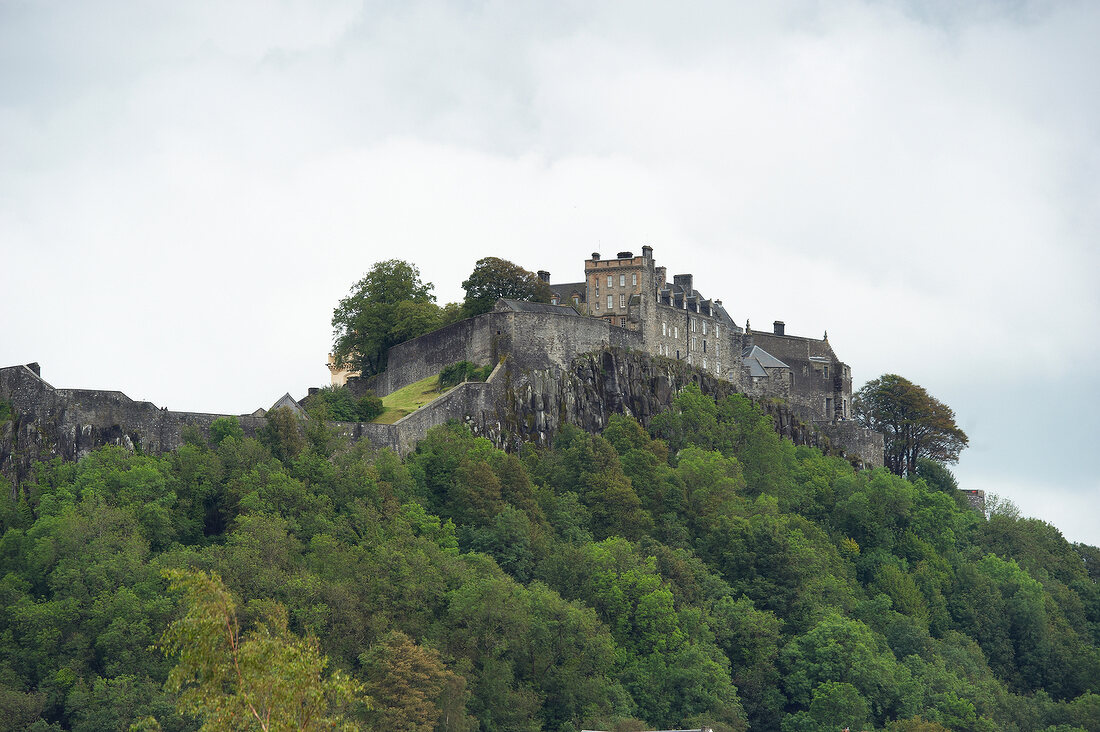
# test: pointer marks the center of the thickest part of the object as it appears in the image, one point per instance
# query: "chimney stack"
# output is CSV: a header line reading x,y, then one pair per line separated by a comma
x,y
684,281
595,256
544,276
625,255
778,327
647,252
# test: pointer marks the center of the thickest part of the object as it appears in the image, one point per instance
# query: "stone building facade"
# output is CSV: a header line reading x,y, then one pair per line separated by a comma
x,y
676,321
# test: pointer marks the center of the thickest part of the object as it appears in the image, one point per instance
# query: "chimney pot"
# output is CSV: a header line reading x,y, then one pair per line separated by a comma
x,y
625,255
596,256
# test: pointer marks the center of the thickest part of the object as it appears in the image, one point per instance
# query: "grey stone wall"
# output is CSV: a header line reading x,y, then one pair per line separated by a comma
x,y
69,423
525,399
479,340
855,441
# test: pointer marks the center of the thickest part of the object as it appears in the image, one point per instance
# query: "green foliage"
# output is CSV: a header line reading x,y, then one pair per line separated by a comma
x,y
225,427
410,686
265,678
703,573
456,373
6,410
494,278
390,304
914,424
337,403
282,434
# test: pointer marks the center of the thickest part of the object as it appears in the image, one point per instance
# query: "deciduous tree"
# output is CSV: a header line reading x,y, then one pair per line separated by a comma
x,y
266,678
494,278
389,305
914,423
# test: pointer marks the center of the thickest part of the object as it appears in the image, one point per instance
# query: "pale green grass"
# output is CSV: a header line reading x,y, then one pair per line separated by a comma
x,y
408,399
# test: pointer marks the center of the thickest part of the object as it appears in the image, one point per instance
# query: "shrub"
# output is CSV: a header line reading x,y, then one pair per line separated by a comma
x,y
224,427
461,371
368,407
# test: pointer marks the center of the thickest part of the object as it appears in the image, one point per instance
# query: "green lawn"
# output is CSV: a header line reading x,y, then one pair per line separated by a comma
x,y
408,399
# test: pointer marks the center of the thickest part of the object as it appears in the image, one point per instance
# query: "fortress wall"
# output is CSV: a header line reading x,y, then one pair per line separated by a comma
x,y
855,440
549,340
69,423
534,340
469,403
475,340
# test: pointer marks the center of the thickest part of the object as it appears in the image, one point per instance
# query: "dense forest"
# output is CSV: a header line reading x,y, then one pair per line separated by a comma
x,y
701,572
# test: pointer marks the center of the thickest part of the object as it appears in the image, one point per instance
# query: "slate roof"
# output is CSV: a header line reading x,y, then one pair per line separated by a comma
x,y
756,358
567,290
286,400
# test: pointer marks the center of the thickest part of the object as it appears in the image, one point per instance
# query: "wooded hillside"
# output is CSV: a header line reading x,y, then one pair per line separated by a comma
x,y
703,573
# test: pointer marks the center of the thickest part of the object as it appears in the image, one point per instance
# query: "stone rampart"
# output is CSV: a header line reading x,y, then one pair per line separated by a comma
x,y
479,340
856,441
559,373
533,340
69,423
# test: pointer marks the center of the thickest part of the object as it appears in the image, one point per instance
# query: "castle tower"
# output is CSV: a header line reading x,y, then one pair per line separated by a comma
x,y
617,289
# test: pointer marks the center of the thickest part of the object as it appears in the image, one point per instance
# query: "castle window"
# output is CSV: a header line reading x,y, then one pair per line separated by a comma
x,y
576,300
610,302
622,280
704,327
622,301
693,325
664,329
826,372
676,334
610,281
704,361
717,367
634,279
693,346
553,301
704,345
690,360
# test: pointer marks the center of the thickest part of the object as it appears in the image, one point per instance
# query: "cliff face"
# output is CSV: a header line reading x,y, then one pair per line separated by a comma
x,y
523,401
532,404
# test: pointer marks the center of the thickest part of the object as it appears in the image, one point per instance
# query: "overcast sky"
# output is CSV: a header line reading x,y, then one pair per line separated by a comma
x,y
187,189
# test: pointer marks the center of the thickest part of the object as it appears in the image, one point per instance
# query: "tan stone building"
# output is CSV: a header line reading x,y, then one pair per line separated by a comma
x,y
676,321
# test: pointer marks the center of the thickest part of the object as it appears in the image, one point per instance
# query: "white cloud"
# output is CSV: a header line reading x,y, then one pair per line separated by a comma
x,y
187,190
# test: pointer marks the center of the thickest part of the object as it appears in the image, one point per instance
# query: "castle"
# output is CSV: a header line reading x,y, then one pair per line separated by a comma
x,y
623,341
674,320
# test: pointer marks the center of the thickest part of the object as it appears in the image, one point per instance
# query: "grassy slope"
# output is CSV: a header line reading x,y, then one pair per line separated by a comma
x,y
408,399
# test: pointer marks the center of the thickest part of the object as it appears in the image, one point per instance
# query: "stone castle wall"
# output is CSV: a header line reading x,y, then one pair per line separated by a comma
x,y
552,369
533,340
69,423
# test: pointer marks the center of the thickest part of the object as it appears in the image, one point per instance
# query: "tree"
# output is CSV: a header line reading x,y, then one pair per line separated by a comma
x,y
267,678
494,278
389,305
914,424
408,683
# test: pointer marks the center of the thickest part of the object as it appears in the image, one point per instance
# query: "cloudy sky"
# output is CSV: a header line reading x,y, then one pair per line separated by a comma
x,y
187,189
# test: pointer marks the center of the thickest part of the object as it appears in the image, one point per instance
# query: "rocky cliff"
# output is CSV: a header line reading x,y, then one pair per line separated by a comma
x,y
531,404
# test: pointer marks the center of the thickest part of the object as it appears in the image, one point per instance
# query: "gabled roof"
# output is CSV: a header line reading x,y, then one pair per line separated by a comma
x,y
567,290
724,318
522,306
758,361
286,400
